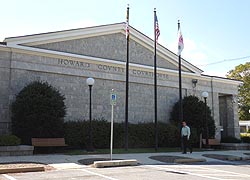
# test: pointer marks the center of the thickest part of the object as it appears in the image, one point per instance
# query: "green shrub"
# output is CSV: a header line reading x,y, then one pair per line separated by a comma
x,y
194,115
119,134
195,137
245,139
230,139
169,135
75,133
38,111
140,135
9,140
101,133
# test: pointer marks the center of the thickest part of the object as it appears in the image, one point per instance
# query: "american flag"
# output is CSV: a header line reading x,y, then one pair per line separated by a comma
x,y
157,29
127,23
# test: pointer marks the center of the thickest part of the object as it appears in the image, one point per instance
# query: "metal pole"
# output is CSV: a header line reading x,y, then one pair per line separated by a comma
x,y
201,132
180,92
127,89
207,134
155,87
180,86
90,118
111,135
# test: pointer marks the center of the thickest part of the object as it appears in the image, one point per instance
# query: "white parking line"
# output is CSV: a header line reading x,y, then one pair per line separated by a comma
x,y
183,172
218,170
9,177
97,174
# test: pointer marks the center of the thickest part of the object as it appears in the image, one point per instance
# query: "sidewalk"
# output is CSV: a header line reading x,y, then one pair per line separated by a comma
x,y
71,161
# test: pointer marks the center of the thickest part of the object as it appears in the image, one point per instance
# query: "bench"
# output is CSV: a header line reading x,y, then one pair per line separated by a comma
x,y
48,142
211,142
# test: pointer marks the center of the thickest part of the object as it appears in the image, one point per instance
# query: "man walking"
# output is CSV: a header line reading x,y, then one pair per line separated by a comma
x,y
185,135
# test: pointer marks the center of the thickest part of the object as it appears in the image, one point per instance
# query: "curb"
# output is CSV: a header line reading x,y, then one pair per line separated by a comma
x,y
115,163
19,170
238,158
234,158
189,160
245,158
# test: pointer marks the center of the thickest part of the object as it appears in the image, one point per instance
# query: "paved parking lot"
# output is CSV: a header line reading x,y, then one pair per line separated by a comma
x,y
67,168
170,172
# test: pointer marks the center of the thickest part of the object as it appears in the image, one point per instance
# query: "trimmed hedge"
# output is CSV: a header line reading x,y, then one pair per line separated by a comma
x,y
245,137
140,135
9,140
230,139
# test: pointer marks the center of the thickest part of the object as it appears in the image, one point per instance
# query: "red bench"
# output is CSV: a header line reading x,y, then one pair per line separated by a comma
x,y
211,142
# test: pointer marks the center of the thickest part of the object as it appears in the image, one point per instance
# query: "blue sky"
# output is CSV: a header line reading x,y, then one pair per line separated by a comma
x,y
212,30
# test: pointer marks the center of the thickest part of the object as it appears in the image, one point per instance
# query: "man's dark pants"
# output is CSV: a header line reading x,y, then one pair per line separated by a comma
x,y
186,144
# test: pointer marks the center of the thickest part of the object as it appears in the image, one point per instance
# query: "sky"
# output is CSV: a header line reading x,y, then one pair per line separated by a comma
x,y
216,33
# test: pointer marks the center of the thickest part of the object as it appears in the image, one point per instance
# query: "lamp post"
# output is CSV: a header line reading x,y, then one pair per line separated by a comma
x,y
205,95
90,82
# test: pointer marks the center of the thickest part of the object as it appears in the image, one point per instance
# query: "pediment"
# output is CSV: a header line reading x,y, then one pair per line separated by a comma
x,y
106,42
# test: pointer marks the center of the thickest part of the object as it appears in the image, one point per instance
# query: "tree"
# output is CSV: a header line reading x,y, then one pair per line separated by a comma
x,y
194,115
242,73
38,111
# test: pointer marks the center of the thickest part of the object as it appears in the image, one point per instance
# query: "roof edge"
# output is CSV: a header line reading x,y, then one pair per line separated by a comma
x,y
108,28
61,31
223,78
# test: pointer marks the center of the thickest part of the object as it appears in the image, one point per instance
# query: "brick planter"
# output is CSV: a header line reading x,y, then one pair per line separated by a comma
x,y
20,150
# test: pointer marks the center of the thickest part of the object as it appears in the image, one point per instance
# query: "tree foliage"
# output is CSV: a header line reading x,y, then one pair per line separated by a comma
x,y
242,73
194,115
38,111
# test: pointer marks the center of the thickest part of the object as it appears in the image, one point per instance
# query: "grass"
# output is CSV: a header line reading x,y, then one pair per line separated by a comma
x,y
123,151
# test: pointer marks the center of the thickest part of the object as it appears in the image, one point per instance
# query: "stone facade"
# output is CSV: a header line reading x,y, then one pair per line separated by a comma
x,y
4,90
66,64
110,46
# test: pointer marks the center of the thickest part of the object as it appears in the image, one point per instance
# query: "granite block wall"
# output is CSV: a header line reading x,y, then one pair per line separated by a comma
x,y
69,76
4,90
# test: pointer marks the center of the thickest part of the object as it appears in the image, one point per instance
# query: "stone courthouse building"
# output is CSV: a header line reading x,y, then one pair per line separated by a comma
x,y
65,59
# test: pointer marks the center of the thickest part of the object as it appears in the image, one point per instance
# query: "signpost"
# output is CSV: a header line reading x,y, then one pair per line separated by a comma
x,y
112,102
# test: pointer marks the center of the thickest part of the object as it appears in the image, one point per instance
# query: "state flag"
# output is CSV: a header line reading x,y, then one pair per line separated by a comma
x,y
180,42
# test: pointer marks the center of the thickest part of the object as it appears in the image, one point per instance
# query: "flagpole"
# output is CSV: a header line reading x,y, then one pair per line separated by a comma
x,y
127,83
180,84
155,84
